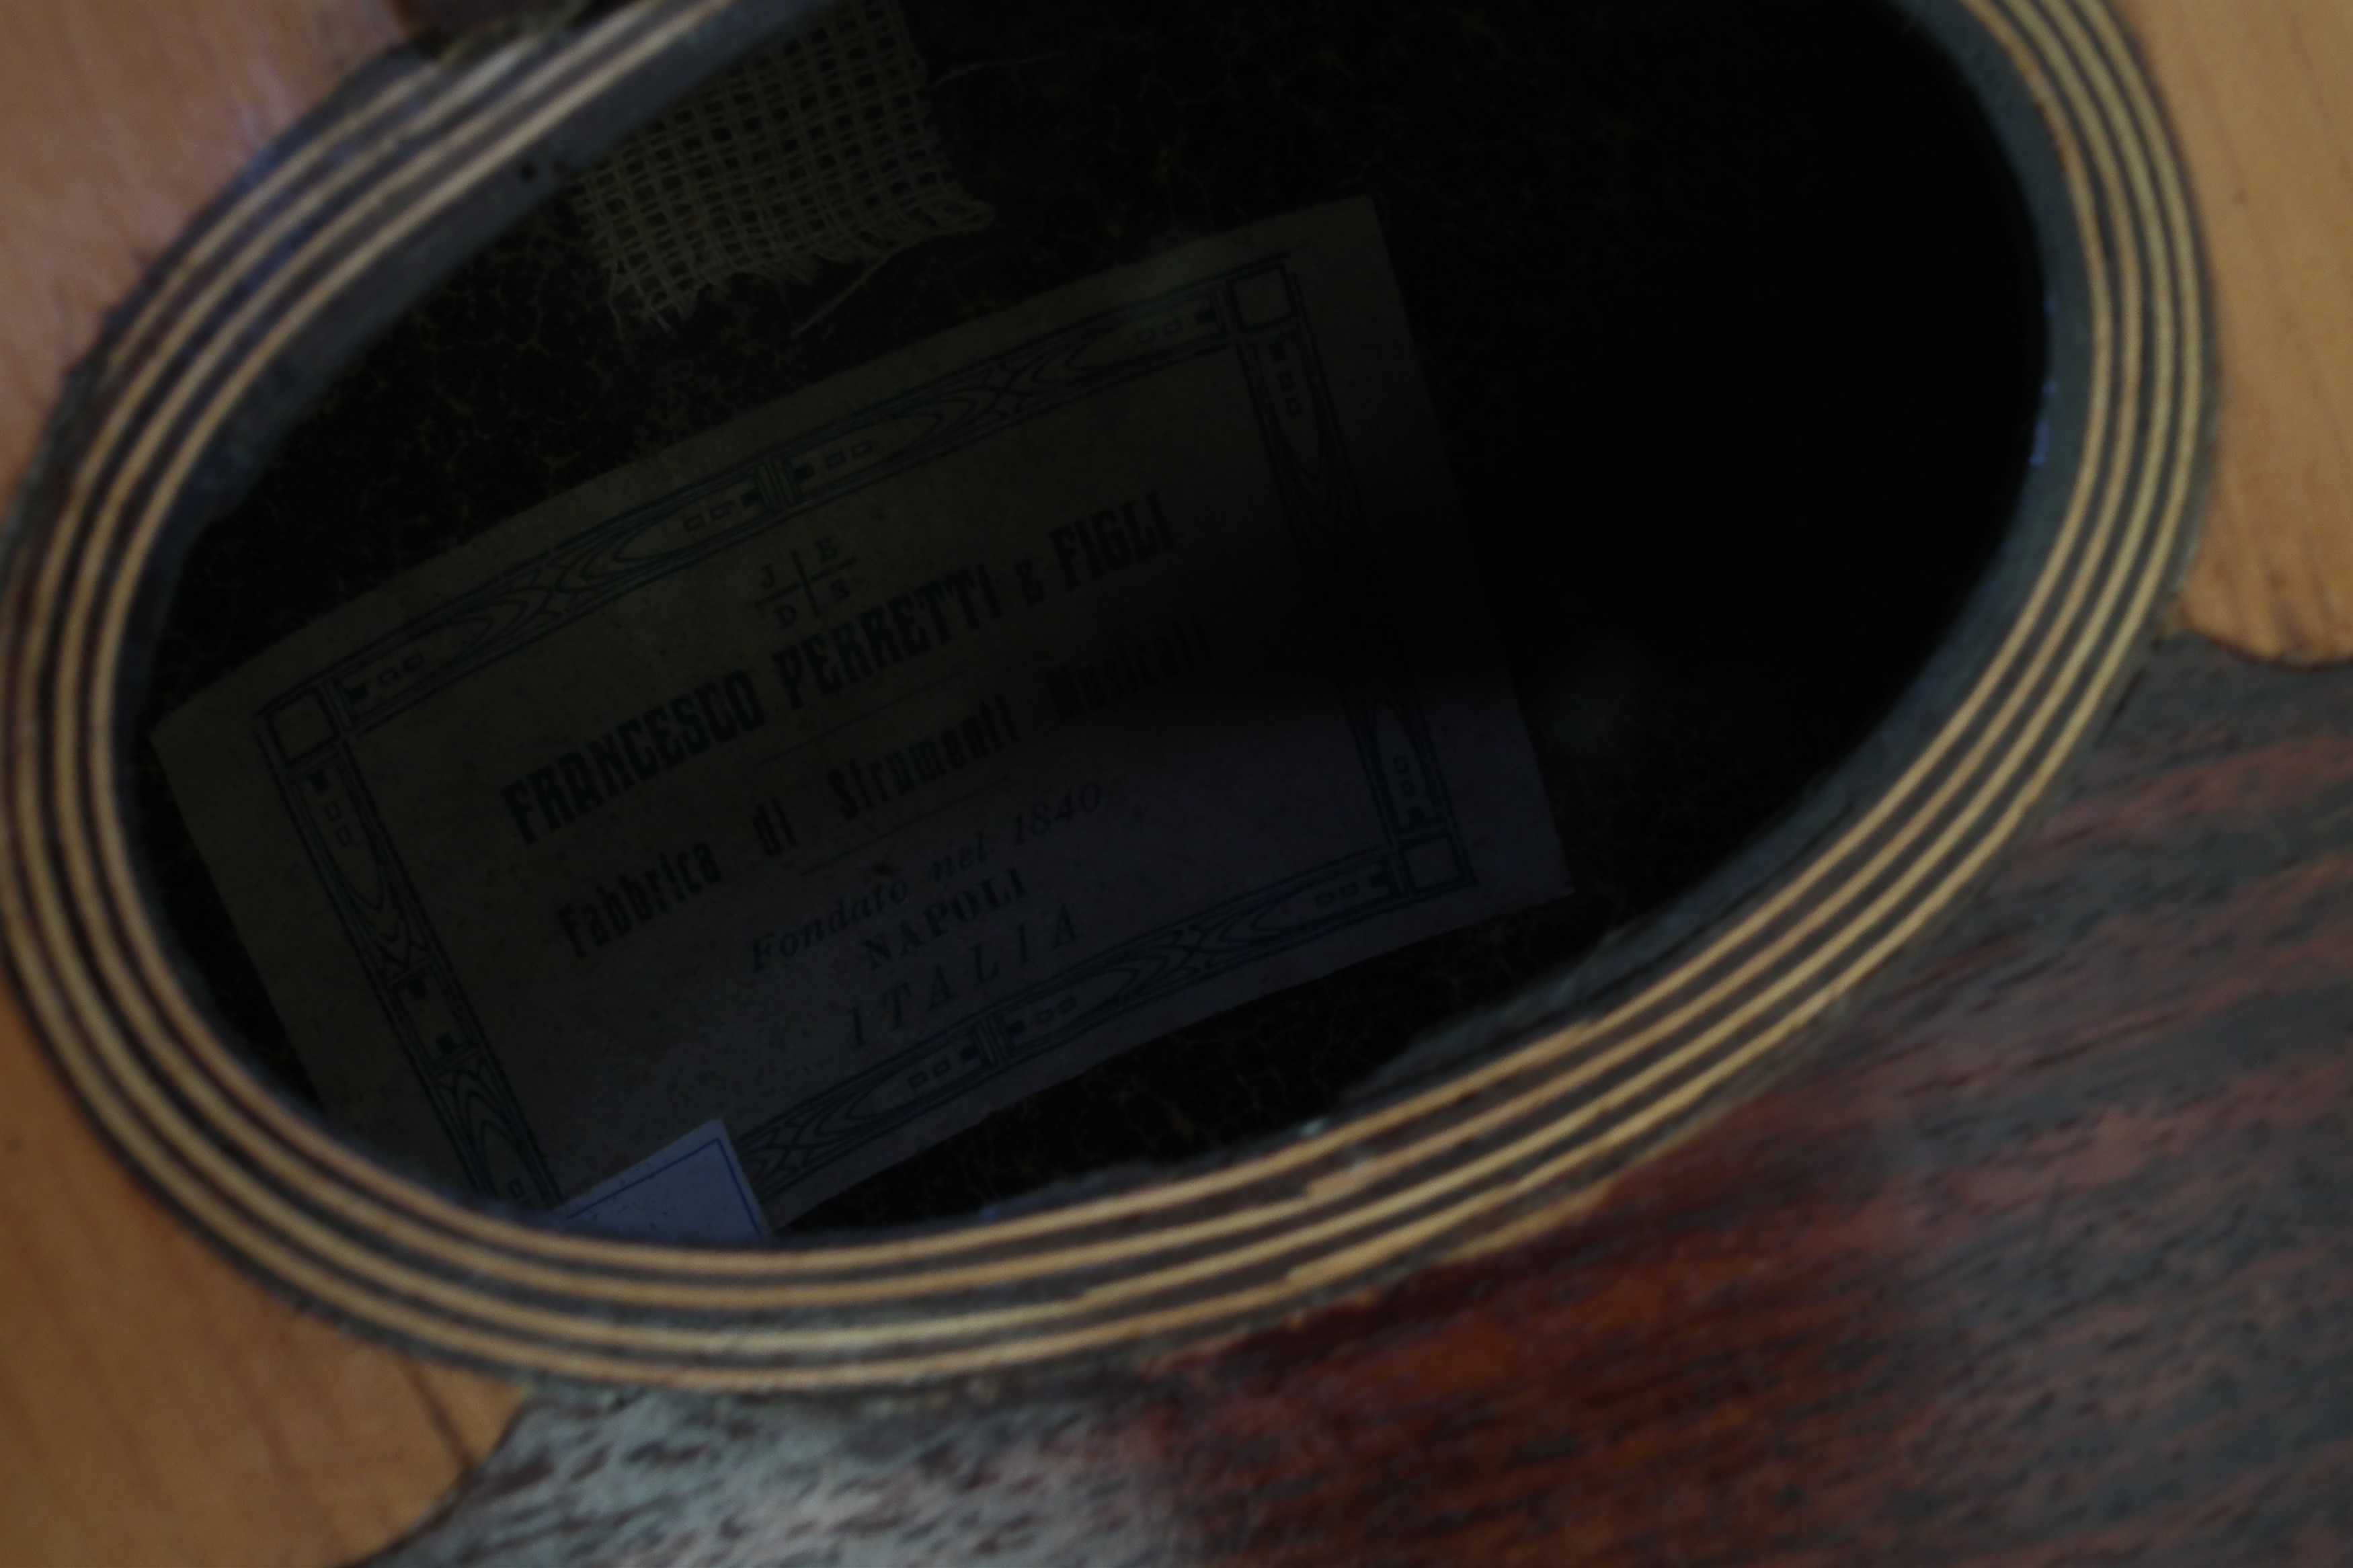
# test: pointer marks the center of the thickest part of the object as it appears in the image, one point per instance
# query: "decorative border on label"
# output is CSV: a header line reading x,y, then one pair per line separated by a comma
x,y
307,733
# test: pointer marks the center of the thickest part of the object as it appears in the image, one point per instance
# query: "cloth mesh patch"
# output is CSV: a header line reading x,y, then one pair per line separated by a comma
x,y
819,152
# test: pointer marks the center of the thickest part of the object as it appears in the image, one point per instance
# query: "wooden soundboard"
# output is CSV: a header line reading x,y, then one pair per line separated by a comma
x,y
2041,1257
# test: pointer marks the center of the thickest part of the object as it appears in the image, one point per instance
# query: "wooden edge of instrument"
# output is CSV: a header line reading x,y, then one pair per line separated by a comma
x,y
2262,103
155,1404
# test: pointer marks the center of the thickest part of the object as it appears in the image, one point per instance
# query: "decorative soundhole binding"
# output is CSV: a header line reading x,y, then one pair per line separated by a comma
x,y
1307,351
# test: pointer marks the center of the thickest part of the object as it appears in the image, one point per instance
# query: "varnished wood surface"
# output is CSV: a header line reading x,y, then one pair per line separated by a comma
x,y
2046,1261
155,1406
2261,94
2042,1261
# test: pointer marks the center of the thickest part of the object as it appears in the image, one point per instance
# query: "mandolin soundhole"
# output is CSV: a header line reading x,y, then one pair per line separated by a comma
x,y
784,700
1731,328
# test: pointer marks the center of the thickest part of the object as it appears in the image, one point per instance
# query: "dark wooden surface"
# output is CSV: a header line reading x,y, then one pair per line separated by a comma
x,y
2045,1257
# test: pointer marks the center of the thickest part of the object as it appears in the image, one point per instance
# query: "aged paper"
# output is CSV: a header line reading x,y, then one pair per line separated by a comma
x,y
892,751
694,1191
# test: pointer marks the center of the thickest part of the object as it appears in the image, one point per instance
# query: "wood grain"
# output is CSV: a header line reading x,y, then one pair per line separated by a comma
x,y
2261,100
156,1405
2042,1261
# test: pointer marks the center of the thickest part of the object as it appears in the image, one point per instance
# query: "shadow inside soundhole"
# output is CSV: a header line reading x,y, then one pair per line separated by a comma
x,y
1731,319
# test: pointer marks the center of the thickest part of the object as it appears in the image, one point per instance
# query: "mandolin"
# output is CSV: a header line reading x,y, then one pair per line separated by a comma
x,y
1917,1131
